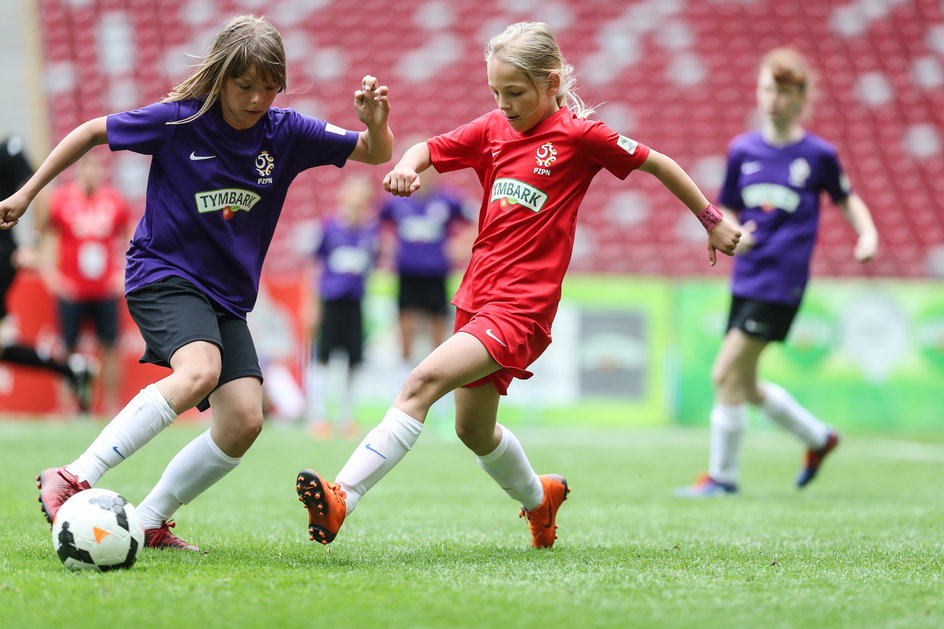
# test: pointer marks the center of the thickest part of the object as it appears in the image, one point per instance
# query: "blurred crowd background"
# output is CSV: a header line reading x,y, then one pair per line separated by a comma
x,y
643,312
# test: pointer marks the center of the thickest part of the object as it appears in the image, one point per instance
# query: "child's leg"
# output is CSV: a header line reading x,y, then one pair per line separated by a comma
x,y
783,409
499,452
237,421
461,359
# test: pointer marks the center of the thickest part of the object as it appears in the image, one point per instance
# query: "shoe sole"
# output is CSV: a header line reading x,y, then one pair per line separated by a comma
x,y
311,492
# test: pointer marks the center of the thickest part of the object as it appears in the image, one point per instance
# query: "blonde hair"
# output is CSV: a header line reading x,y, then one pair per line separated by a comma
x,y
788,67
245,42
531,48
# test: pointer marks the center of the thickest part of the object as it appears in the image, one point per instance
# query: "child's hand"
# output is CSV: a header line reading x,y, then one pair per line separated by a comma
x,y
747,237
11,209
371,103
866,247
401,181
723,237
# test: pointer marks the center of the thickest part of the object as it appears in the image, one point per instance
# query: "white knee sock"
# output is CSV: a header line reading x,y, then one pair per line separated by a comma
x,y
144,416
509,466
317,392
383,447
786,412
727,427
195,468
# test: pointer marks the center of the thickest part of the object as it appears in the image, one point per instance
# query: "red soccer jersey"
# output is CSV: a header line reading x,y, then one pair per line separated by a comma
x,y
90,229
534,183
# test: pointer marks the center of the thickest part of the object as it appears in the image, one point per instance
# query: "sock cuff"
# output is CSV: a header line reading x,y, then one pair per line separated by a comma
x,y
731,416
397,417
499,449
774,397
217,452
167,413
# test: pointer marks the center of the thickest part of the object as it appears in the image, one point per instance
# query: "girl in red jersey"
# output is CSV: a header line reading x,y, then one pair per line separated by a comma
x,y
535,156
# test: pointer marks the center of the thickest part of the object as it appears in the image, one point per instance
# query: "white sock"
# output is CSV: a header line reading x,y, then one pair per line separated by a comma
x,y
144,416
509,466
727,427
195,468
790,415
348,395
383,447
317,392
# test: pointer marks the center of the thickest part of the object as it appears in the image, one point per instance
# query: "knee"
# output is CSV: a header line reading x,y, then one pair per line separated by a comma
x,y
421,386
246,425
200,379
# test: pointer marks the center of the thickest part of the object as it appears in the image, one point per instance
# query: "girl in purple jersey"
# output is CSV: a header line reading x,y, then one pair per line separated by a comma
x,y
774,181
222,160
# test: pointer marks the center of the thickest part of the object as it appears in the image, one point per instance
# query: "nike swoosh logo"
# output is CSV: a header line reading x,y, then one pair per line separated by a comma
x,y
367,445
115,448
194,157
495,153
492,334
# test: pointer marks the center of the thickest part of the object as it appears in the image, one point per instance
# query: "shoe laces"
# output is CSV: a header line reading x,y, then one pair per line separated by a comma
x,y
335,488
163,532
70,488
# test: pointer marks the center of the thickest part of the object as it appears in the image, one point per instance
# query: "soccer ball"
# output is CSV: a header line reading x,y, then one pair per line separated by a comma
x,y
97,529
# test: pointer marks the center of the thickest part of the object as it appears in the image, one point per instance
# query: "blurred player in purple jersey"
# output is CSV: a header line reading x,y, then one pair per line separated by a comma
x,y
774,181
424,223
343,260
222,159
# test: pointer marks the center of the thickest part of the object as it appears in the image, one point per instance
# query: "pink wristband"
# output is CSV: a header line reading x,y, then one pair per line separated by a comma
x,y
709,217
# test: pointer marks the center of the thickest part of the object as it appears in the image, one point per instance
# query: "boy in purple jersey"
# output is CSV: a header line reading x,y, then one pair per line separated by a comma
x,y
222,161
343,260
774,181
424,223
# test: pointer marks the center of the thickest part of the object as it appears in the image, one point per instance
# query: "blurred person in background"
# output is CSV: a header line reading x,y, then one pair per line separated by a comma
x,y
15,170
222,160
337,275
535,156
84,238
773,184
431,227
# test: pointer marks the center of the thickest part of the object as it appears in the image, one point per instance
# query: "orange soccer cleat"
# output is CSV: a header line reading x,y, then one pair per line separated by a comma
x,y
325,503
541,518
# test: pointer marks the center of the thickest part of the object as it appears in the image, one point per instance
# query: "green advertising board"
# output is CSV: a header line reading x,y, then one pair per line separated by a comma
x,y
864,354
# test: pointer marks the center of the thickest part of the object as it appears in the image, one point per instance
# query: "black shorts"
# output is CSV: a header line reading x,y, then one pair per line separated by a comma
x,y
102,312
427,294
763,320
7,275
342,327
172,312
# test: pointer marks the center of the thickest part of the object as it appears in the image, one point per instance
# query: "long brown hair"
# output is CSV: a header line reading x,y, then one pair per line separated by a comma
x,y
789,67
245,42
531,48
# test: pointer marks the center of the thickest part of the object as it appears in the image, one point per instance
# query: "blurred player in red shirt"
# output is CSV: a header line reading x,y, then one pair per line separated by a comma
x,y
85,237
535,156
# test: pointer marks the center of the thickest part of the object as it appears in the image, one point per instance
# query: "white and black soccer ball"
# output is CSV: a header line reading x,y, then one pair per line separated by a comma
x,y
97,529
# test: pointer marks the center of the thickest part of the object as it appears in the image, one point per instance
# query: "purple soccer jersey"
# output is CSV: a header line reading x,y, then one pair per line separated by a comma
x,y
215,193
779,188
347,253
422,223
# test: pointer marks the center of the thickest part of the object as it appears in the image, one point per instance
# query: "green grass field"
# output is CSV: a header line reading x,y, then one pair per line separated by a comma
x,y
437,544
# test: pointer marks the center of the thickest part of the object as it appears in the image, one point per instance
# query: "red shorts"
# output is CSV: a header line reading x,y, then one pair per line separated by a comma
x,y
514,341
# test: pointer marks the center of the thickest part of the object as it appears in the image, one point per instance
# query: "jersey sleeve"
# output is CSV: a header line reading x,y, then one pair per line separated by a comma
x,y
730,194
617,153
143,130
463,147
835,181
321,142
